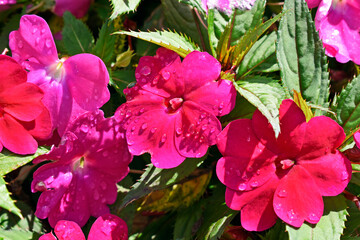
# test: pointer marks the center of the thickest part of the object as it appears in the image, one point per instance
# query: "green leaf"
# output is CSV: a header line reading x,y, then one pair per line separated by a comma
x,y
265,94
195,4
10,161
261,51
215,218
156,179
330,226
178,43
300,53
186,220
348,108
352,225
184,19
10,25
15,234
120,79
76,35
277,232
105,44
5,200
121,7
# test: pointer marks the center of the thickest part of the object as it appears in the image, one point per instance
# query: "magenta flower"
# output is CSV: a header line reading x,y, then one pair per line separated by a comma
x,y
171,111
71,87
23,116
5,4
106,227
338,23
78,8
357,139
81,179
285,177
227,6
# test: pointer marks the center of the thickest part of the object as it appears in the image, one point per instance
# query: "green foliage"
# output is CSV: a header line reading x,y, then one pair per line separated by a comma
x,y
120,79
5,200
76,35
11,25
156,179
330,226
265,94
195,4
352,225
348,110
300,53
186,221
121,7
178,43
105,44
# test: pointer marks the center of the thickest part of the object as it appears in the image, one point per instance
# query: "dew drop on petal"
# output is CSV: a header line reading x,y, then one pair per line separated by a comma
x,y
212,130
242,187
43,30
344,175
291,215
20,44
313,217
142,110
163,138
153,130
179,131
108,227
254,184
282,193
278,206
137,75
96,195
165,75
145,70
250,169
144,126
204,127
84,128
37,40
48,43
34,30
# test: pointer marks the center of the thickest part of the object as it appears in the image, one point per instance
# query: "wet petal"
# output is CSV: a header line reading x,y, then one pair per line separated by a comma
x,y
78,8
68,230
12,72
109,227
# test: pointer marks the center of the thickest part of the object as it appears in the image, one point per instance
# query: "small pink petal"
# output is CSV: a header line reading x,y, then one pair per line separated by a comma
x,y
68,230
313,3
48,236
357,139
109,227
78,8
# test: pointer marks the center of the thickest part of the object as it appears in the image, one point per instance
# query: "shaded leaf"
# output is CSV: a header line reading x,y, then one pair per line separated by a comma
x,y
299,100
5,200
120,79
185,222
121,7
105,44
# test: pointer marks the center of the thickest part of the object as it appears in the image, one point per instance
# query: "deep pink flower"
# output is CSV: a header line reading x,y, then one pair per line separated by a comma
x,y
285,177
23,117
357,139
338,23
71,87
171,111
78,8
106,227
82,177
227,6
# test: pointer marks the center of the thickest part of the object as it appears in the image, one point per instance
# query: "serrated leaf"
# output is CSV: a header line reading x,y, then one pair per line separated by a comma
x,y
265,94
105,44
178,43
120,79
186,220
352,225
10,161
77,37
121,7
155,179
16,234
261,51
5,200
348,108
300,53
301,103
330,226
184,19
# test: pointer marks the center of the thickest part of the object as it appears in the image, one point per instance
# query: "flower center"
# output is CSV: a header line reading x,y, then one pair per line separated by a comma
x,y
173,104
287,163
79,164
57,71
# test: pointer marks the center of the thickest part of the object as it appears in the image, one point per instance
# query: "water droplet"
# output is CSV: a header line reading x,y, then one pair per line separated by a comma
x,y
153,130
221,105
282,193
191,129
344,176
96,195
201,139
20,44
198,155
48,43
128,114
108,227
258,172
84,128
43,30
202,116
144,126
34,30
242,187
103,185
163,138
166,75
292,215
37,40
133,128
313,217
145,70
248,139
204,127
212,130
179,131
142,110
254,184
250,169
137,75
50,180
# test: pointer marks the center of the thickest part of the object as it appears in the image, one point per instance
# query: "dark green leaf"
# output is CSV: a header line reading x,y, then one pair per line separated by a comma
x,y
300,53
265,94
277,232
178,43
121,7
330,226
352,225
120,79
348,108
159,229
5,200
105,44
10,25
185,223
76,35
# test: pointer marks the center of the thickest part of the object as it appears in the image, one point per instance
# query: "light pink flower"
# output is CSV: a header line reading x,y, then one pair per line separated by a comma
x,y
227,6
338,23
171,111
285,177
106,227
78,8
81,179
72,86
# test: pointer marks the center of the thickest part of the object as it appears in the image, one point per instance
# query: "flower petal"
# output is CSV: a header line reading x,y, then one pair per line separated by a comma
x,y
357,139
257,213
297,198
40,128
14,136
33,41
12,72
68,230
48,236
78,8
313,3
109,227
95,78
331,172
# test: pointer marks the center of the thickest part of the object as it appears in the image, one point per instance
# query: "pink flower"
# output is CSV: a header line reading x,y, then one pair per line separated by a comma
x,y
285,177
227,5
78,8
82,177
338,23
71,87
23,117
171,111
106,227
357,139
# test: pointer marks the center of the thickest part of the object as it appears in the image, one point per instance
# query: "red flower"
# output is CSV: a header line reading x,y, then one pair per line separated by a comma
x,y
285,177
23,117
171,111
